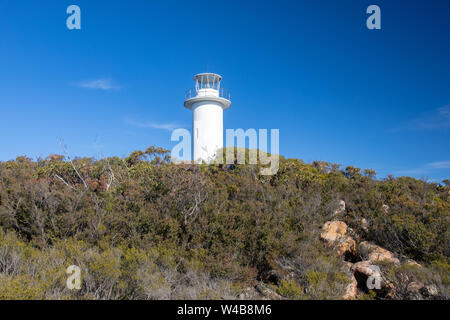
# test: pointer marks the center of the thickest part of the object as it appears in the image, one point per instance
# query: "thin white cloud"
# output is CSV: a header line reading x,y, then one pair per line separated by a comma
x,y
425,169
98,84
440,165
411,172
438,119
153,125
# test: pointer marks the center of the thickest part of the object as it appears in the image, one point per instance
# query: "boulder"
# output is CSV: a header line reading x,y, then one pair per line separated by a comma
x,y
373,253
430,291
365,269
414,289
411,262
385,208
415,286
334,235
362,267
333,230
351,290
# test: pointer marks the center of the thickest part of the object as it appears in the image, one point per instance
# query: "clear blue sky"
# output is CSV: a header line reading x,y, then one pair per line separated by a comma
x,y
337,91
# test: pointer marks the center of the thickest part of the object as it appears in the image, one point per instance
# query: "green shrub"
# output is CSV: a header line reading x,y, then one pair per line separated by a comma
x,y
144,228
290,289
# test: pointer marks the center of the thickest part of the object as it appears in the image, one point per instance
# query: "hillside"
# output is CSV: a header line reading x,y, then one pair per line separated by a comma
x,y
141,227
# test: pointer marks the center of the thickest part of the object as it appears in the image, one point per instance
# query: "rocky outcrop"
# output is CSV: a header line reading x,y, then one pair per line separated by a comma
x,y
334,234
366,273
430,291
363,268
333,230
369,277
418,291
373,253
414,290
411,262
351,290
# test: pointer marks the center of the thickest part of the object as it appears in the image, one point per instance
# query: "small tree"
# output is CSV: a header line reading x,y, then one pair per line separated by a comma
x,y
370,173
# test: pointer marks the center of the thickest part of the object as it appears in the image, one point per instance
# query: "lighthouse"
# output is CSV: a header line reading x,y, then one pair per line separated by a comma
x,y
207,100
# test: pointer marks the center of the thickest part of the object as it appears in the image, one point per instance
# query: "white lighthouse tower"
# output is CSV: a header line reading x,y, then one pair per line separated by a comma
x,y
207,102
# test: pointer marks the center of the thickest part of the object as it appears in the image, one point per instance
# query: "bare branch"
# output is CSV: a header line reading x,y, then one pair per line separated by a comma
x,y
60,178
64,148
112,178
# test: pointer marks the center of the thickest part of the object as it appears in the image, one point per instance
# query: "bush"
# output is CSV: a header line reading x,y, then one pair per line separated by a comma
x,y
143,228
290,289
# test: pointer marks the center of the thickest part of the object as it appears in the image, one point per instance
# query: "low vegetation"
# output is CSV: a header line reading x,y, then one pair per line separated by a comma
x,y
142,227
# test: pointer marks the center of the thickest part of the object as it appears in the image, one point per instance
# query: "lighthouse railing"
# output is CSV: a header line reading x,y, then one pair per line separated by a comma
x,y
192,93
